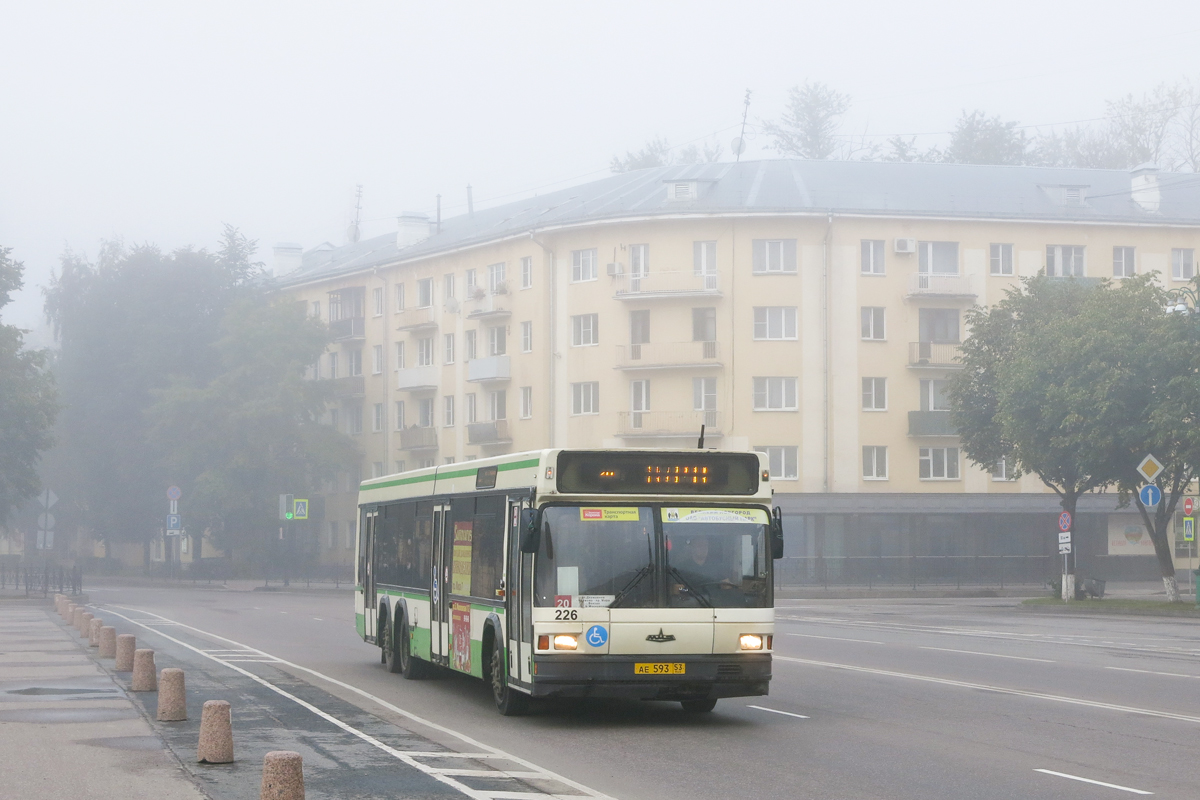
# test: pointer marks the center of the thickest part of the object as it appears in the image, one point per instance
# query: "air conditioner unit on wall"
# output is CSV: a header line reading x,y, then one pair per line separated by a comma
x,y
906,245
616,269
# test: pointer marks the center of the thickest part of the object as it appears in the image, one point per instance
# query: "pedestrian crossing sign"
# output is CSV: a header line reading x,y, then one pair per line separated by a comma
x,y
300,509
1189,529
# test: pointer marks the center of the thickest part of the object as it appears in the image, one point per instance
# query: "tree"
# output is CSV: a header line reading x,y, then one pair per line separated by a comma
x,y
252,431
902,149
28,402
978,139
655,153
810,122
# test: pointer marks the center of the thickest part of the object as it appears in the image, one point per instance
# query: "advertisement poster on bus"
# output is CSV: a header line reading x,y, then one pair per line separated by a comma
x,y
460,633
1127,536
460,570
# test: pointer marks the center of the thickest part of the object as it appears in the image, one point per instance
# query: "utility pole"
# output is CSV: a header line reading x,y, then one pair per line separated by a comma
x,y
742,135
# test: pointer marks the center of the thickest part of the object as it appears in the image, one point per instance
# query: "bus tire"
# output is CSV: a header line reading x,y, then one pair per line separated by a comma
x,y
699,706
509,702
412,668
389,647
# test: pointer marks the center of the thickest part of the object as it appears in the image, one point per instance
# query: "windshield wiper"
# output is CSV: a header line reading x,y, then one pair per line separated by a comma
x,y
691,589
621,595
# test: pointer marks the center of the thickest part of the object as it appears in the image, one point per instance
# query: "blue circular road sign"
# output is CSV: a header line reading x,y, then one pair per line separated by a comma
x,y
1150,495
596,636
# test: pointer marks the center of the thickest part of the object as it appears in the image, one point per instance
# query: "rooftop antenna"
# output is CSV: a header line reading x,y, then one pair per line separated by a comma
x,y
700,444
738,145
354,232
439,214
470,202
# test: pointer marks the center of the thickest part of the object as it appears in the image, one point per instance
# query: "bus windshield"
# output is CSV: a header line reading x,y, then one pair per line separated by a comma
x,y
611,556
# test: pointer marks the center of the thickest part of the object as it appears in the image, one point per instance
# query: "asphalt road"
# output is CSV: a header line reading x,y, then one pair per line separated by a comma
x,y
870,699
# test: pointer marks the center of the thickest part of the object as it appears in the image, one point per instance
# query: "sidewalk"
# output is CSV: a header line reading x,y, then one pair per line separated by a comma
x,y
66,729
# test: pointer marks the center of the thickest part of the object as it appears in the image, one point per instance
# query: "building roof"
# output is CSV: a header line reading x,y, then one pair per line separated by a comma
x,y
792,186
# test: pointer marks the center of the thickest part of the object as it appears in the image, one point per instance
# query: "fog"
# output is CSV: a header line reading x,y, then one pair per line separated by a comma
x,y
157,123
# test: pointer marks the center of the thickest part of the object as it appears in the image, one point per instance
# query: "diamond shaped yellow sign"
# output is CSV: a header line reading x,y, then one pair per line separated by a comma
x,y
1150,468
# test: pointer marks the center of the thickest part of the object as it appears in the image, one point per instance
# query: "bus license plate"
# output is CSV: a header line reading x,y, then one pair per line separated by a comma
x,y
675,668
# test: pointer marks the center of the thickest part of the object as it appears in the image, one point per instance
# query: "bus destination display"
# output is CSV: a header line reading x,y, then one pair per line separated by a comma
x,y
651,473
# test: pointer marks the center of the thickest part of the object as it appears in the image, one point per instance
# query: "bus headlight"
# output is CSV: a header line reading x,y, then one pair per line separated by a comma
x,y
750,641
566,641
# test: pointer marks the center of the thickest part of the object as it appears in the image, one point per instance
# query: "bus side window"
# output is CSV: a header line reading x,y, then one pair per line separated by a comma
x,y
488,547
424,542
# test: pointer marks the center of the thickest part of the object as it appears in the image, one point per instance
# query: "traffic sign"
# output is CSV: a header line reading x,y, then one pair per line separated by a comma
x,y
45,520
174,522
1189,529
1064,521
1189,505
174,493
300,508
1150,467
1064,548
47,498
1150,495
1064,537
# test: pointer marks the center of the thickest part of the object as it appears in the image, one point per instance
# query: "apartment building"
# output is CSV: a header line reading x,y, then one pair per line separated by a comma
x,y
809,309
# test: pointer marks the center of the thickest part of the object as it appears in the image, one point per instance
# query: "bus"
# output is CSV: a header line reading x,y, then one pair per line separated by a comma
x,y
643,574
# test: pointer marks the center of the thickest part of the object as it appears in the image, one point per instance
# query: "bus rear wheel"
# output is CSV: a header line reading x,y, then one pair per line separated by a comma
x,y
699,706
389,647
411,668
509,703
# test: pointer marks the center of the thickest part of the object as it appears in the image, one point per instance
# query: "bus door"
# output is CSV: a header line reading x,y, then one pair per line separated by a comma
x,y
518,582
439,607
368,572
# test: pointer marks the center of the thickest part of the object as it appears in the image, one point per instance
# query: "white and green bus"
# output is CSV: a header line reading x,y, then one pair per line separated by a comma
x,y
642,574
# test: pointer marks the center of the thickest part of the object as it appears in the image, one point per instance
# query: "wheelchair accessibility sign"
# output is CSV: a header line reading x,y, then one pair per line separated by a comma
x,y
596,636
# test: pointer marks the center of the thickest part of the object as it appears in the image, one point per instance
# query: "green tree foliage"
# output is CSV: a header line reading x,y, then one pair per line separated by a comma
x,y
253,430
657,153
810,122
28,402
979,139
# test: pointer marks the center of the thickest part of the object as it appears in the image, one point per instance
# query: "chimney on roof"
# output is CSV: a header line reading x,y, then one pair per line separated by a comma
x,y
1143,185
288,257
413,228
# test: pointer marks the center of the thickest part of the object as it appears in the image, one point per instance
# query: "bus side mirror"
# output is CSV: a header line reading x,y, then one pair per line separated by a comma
x,y
777,533
531,530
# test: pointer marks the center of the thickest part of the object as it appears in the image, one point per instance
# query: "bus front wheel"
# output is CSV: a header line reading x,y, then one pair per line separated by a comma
x,y
698,706
509,702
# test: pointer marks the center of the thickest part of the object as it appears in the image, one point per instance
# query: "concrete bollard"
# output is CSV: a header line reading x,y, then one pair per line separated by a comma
x,y
94,631
108,642
283,776
67,611
126,644
172,699
85,622
144,679
77,618
216,733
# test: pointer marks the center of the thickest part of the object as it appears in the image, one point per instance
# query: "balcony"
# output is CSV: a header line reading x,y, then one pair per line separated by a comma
x,y
666,285
668,424
417,379
668,355
931,423
347,388
934,355
489,306
951,287
489,433
492,369
417,319
418,439
348,329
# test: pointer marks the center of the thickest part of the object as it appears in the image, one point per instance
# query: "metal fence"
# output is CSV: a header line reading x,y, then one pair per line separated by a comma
x,y
915,571
18,578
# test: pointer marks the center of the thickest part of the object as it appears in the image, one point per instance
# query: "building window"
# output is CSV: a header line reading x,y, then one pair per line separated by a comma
x,y
639,260
874,394
354,413
935,395
639,330
448,411
782,462
471,282
1183,263
526,402
377,359
704,399
425,352
1064,260
400,466
399,355
939,463
497,340
472,347
873,323
377,300
938,325
316,309
315,369
874,463
774,322
585,330
704,258
425,412
526,337
704,328
938,258
399,418
355,365
449,459
377,469
333,365
1002,471
774,255
527,272
1123,264
583,265
775,394
448,288
426,463
425,293
377,418
448,348
585,398
399,296
872,256
1002,259
472,416
496,284
639,400
498,405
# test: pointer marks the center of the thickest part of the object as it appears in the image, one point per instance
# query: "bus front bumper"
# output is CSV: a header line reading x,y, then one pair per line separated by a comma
x,y
704,676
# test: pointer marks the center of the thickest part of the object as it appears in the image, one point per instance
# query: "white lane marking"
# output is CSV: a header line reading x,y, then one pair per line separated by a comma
x,y
490,773
993,655
1152,672
1089,780
1056,698
318,619
407,757
837,638
777,711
